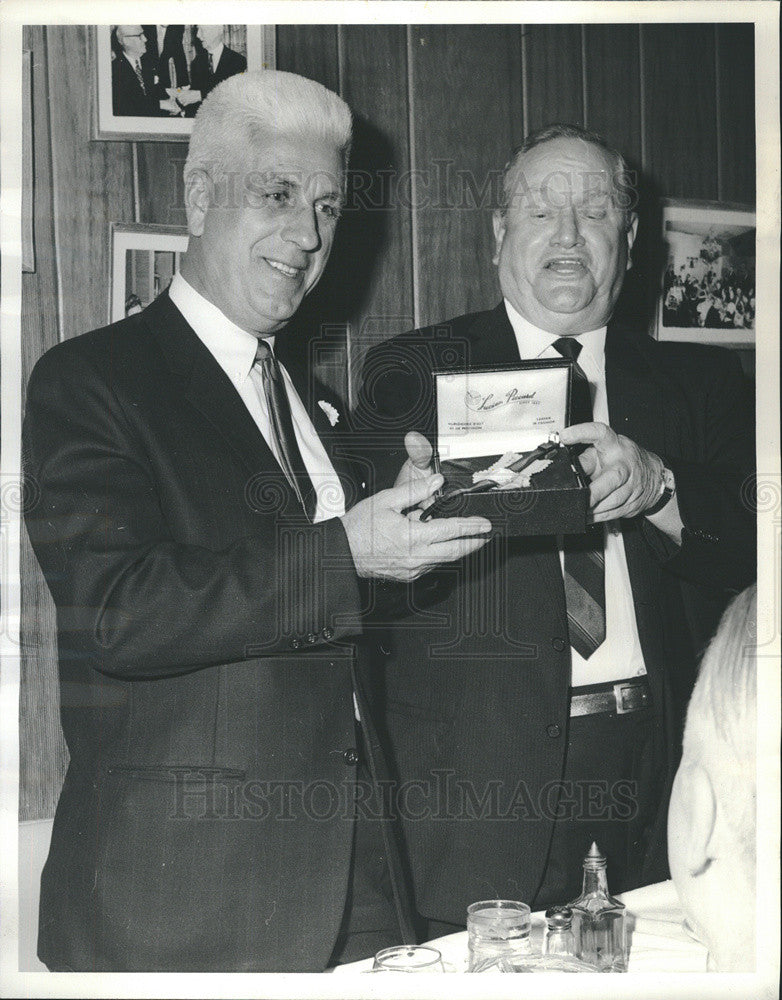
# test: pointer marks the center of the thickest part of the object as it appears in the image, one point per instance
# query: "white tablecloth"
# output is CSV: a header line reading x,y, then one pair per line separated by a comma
x,y
655,930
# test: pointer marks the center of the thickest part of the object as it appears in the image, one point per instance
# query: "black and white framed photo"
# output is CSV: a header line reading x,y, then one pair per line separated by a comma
x,y
150,79
708,291
144,259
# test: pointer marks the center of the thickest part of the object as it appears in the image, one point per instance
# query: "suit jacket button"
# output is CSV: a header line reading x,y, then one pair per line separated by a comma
x,y
553,731
350,756
295,643
327,633
311,638
558,644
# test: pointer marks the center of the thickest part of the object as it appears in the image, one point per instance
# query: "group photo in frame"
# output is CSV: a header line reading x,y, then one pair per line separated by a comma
x,y
144,259
708,285
150,79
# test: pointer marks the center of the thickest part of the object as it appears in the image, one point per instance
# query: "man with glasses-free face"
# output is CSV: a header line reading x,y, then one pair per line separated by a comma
x,y
535,693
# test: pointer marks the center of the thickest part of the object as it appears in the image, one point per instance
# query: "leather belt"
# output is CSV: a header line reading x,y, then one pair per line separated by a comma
x,y
621,697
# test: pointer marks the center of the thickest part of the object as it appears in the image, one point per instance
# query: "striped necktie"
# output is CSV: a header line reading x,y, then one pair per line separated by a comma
x,y
137,70
584,574
281,422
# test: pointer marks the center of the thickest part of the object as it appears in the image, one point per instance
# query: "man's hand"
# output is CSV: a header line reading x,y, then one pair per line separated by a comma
x,y
624,478
391,546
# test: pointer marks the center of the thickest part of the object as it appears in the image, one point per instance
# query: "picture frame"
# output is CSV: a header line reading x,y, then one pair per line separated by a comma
x,y
28,166
144,258
116,100
707,294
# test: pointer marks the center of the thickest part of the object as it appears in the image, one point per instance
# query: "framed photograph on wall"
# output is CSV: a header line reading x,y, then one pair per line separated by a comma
x,y
150,79
28,166
708,289
144,259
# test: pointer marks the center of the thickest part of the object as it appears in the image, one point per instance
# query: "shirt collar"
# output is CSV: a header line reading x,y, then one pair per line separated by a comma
x,y
232,347
216,53
534,342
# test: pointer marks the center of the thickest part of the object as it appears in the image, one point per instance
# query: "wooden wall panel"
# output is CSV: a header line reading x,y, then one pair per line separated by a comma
x,y
736,89
466,117
93,184
161,195
310,50
612,102
378,218
679,80
553,74
42,753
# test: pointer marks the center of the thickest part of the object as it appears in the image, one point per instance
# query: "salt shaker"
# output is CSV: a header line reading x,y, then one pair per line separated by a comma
x,y
559,939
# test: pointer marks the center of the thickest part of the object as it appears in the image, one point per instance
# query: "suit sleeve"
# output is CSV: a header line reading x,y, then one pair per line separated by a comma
x,y
716,487
395,397
132,598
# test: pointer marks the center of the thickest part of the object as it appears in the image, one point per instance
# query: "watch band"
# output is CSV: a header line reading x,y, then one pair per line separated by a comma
x,y
667,490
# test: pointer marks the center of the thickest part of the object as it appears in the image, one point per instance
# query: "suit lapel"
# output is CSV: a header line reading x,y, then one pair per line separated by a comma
x,y
200,380
491,340
635,394
312,392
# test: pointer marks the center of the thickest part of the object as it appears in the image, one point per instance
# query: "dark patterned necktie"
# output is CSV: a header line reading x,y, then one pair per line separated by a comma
x,y
137,70
281,424
584,554
211,64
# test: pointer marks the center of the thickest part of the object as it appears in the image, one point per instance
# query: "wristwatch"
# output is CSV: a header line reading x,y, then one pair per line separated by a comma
x,y
667,490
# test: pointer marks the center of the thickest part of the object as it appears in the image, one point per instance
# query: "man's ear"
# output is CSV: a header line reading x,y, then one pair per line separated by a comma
x,y
699,811
632,230
498,222
199,195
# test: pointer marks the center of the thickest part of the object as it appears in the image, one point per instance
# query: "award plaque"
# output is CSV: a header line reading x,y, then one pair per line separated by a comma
x,y
497,446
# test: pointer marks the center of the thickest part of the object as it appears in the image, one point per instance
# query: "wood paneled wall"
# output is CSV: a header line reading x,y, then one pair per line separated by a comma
x,y
438,109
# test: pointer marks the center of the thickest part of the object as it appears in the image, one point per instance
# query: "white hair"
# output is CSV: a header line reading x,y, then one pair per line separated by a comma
x,y
722,716
246,110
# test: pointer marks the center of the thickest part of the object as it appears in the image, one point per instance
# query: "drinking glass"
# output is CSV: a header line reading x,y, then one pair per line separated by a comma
x,y
408,958
497,928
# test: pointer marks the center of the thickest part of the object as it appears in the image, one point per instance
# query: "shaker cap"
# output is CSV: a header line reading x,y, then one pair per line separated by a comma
x,y
595,859
559,917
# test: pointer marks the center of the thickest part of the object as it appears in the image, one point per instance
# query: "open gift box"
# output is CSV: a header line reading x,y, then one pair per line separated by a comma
x,y
506,414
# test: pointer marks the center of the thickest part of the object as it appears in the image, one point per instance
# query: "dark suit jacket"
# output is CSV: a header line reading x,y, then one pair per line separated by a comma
x,y
127,96
476,679
230,64
158,61
207,666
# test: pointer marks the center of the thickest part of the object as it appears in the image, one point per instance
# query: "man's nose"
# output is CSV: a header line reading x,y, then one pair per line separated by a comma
x,y
301,228
567,232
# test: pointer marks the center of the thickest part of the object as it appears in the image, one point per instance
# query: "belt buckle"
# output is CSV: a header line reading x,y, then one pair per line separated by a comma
x,y
630,698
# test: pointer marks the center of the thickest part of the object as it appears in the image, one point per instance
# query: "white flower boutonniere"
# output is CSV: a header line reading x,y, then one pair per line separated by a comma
x,y
330,411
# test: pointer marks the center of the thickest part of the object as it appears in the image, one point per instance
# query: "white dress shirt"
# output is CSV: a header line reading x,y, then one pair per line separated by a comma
x,y
234,350
619,656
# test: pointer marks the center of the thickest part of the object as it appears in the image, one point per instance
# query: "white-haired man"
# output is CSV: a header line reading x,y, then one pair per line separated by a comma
x,y
196,530
711,820
214,61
